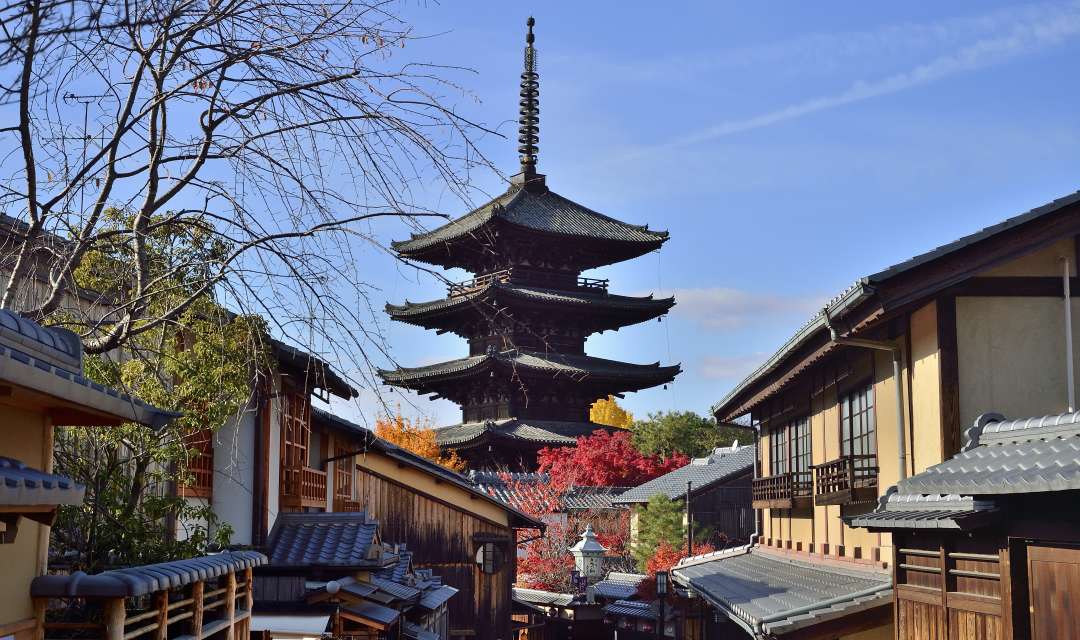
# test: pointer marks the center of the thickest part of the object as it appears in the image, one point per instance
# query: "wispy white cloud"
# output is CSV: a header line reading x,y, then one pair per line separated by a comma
x,y
727,309
1032,31
730,367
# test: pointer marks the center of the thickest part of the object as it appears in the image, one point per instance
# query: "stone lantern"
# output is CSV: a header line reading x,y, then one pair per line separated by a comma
x,y
589,555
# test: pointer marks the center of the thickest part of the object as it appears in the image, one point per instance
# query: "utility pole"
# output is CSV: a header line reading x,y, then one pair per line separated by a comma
x,y
689,521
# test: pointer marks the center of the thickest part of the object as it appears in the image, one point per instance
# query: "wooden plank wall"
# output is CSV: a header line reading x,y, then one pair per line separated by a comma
x,y
442,538
951,589
726,509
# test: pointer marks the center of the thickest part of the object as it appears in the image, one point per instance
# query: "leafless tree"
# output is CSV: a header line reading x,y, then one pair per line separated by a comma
x,y
282,130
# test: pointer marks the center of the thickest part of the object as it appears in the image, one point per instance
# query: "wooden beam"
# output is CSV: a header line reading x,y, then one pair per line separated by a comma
x,y
230,605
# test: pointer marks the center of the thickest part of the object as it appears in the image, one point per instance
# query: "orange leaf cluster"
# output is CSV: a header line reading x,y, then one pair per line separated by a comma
x,y
417,436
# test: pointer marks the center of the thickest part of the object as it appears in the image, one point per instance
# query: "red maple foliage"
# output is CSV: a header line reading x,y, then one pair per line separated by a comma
x,y
665,557
604,459
545,560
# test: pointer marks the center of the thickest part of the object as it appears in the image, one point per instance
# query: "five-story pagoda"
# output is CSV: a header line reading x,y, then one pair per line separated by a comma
x,y
527,383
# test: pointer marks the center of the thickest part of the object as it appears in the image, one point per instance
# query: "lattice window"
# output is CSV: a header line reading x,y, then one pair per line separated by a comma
x,y
790,447
295,429
200,463
858,434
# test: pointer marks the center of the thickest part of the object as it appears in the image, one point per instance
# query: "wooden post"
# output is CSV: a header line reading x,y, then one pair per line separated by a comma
x,y
115,616
249,595
230,604
197,608
161,601
40,606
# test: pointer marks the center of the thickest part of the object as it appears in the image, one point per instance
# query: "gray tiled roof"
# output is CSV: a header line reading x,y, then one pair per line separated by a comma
x,y
769,593
632,609
404,456
323,375
544,211
863,288
49,360
917,511
544,598
414,631
540,431
138,581
722,464
562,297
21,485
494,483
618,586
398,590
435,597
325,539
1008,456
573,366
372,611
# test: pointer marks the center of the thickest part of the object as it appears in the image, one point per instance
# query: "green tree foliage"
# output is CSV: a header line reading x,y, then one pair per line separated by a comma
x,y
203,364
685,432
659,523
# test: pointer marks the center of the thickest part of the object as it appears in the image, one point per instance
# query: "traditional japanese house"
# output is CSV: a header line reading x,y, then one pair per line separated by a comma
x,y
719,488
448,525
331,573
42,386
987,542
874,390
269,459
527,382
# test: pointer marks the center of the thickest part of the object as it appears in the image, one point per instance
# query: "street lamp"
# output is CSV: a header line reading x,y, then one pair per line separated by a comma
x,y
661,593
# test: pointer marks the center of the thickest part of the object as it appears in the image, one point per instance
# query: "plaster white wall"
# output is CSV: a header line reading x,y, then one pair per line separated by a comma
x,y
186,527
273,457
234,475
1011,352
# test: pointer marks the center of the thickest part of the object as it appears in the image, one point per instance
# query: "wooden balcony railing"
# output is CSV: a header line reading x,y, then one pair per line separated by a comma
x,y
347,505
479,282
535,278
200,465
847,480
303,487
784,491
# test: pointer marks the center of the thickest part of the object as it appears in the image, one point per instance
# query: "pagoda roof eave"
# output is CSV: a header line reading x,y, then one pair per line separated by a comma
x,y
646,307
577,368
544,212
521,431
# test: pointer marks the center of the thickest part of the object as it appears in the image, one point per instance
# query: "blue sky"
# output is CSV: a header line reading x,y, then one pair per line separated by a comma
x,y
788,147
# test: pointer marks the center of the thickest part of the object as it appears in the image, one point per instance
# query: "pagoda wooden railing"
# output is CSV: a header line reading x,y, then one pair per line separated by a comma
x,y
793,490
479,282
535,278
846,480
200,465
303,487
217,607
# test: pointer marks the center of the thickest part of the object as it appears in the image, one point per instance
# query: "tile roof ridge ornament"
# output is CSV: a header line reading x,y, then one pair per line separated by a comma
x,y
973,434
529,108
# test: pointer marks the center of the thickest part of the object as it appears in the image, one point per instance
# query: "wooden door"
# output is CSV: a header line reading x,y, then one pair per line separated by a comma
x,y
1054,592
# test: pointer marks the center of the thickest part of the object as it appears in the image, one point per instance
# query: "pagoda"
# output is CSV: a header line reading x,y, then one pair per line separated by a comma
x,y
527,382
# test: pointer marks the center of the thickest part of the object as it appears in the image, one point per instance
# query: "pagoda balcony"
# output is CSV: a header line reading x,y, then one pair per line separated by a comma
x,y
303,487
847,480
525,277
783,491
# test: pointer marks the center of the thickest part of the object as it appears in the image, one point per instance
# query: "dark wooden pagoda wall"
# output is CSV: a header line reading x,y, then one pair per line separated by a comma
x,y
443,538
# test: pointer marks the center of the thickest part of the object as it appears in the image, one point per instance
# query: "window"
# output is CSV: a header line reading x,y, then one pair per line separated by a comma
x,y
858,435
489,557
295,430
790,446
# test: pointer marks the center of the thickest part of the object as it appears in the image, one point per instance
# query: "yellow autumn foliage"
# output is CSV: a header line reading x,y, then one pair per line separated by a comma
x,y
418,436
607,411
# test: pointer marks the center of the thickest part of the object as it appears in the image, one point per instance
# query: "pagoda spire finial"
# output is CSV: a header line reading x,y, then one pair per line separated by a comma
x,y
529,122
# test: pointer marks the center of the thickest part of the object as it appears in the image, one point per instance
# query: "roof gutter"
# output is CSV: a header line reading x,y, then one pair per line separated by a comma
x,y
838,306
897,357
